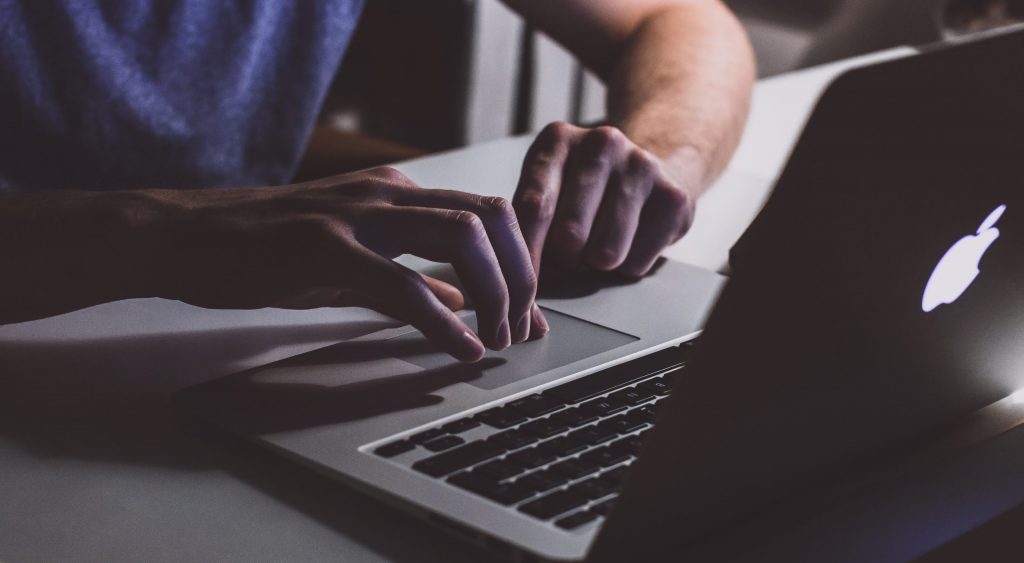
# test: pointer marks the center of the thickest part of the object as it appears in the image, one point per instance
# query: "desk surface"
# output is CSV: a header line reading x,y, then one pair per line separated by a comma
x,y
96,467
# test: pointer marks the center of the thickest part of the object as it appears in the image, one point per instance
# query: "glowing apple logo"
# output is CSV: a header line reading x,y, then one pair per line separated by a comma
x,y
958,268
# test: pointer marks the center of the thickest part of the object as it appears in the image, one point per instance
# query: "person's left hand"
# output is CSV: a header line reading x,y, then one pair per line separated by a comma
x,y
591,198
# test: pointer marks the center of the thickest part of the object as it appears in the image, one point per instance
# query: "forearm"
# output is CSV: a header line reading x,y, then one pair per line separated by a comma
x,y
63,251
680,87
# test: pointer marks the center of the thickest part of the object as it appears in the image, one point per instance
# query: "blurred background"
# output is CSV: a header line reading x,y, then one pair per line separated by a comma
x,y
422,77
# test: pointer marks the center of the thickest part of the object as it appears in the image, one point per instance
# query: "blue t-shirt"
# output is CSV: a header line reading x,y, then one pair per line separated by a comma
x,y
98,94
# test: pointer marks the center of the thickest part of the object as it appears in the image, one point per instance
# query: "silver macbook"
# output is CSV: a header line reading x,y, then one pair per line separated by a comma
x,y
524,451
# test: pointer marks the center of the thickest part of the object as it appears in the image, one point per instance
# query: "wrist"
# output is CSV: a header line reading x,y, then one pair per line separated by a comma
x,y
686,162
143,233
689,168
69,250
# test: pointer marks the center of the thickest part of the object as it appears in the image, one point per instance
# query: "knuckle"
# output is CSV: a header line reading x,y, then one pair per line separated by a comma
x,y
607,138
633,194
674,199
467,224
679,204
571,233
530,279
370,189
500,298
641,162
557,131
541,160
498,207
389,174
535,204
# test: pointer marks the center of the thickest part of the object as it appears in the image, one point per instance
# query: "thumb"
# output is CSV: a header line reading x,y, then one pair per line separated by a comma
x,y
446,293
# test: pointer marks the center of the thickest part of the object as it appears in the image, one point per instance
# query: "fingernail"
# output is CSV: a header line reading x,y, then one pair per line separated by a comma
x,y
523,328
540,324
504,336
472,348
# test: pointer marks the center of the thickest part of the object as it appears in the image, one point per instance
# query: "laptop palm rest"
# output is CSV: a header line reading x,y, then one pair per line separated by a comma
x,y
369,377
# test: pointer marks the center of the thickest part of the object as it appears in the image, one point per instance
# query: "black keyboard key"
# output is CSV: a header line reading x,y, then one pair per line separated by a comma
x,y
595,488
501,417
595,384
672,376
593,435
532,458
460,426
465,480
657,385
575,416
541,481
604,507
513,439
394,448
426,436
576,520
563,446
605,457
459,458
545,427
498,470
444,443
645,413
632,396
622,424
630,445
552,505
575,468
604,407
501,493
536,405
617,475
507,493
638,417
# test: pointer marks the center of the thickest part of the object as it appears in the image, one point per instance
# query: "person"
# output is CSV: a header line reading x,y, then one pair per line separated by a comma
x,y
113,115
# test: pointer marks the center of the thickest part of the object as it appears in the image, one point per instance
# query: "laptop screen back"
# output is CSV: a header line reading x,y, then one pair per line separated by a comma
x,y
825,349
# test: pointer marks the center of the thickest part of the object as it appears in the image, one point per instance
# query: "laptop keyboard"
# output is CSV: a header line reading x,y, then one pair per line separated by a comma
x,y
560,455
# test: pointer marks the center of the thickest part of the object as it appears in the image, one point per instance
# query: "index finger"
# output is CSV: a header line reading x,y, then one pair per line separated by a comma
x,y
458,238
539,185
506,240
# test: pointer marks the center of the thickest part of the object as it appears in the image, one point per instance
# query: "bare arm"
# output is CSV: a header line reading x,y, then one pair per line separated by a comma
x,y
679,74
327,243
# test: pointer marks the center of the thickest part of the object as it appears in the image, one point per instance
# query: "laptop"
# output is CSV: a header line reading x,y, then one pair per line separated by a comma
x,y
874,304
854,324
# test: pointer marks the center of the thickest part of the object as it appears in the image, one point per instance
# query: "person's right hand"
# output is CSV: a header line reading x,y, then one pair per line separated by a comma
x,y
331,242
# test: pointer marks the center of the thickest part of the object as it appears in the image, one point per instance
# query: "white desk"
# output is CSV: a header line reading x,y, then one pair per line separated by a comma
x,y
95,467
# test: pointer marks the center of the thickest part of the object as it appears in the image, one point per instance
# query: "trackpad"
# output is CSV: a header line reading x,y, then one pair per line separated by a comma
x,y
570,340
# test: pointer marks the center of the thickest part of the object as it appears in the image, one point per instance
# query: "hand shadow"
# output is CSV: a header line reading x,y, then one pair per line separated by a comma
x,y
254,404
109,400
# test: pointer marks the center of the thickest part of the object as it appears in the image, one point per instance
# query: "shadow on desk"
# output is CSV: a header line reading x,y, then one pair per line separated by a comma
x,y
258,403
109,400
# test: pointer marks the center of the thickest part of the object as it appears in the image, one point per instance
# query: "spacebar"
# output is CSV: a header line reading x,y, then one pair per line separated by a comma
x,y
600,382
